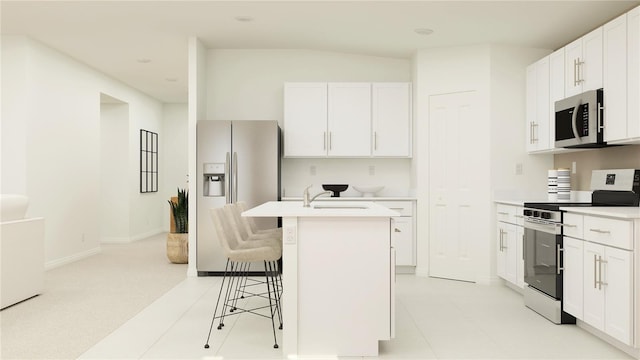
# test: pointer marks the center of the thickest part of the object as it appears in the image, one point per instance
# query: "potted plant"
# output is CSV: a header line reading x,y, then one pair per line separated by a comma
x,y
178,241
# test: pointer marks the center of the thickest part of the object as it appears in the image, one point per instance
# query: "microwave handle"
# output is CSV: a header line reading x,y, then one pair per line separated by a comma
x,y
574,118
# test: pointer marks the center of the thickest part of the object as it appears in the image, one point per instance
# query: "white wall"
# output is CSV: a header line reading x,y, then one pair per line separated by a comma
x,y
497,75
197,109
59,120
13,110
508,112
248,85
175,160
114,161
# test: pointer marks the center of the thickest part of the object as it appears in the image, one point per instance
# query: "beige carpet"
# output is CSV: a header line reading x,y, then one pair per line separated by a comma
x,y
85,301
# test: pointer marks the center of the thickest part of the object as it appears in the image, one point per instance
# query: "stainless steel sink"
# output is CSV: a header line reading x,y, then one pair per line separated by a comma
x,y
336,206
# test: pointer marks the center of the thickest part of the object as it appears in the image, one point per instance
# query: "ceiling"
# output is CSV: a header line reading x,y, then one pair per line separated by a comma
x,y
144,43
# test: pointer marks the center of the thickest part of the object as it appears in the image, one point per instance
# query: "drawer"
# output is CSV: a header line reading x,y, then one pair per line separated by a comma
x,y
518,215
507,213
405,208
611,232
573,225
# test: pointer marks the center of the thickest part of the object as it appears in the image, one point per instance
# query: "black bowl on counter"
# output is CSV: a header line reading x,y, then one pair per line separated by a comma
x,y
335,188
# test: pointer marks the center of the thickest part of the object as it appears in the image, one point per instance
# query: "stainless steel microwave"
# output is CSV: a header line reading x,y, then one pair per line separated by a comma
x,y
579,121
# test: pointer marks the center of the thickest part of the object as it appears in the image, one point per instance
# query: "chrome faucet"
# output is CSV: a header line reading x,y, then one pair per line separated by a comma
x,y
306,201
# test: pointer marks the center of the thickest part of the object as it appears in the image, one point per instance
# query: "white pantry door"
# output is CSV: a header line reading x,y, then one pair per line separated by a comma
x,y
453,130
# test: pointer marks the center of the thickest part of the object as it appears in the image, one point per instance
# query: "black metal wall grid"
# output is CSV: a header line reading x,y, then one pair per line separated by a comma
x,y
148,161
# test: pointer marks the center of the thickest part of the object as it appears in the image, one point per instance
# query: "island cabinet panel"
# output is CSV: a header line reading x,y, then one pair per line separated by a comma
x,y
344,300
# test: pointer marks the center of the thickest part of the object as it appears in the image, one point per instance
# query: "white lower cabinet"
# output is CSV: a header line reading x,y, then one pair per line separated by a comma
x,y
598,279
507,257
510,245
402,231
402,240
572,275
607,290
520,255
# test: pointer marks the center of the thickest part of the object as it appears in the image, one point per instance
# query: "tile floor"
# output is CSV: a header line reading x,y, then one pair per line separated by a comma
x,y
436,319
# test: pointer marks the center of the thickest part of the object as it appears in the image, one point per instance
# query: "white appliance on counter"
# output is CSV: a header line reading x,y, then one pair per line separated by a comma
x,y
236,161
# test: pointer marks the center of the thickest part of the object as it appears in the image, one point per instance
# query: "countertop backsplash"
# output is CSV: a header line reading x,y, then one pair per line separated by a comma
x,y
394,174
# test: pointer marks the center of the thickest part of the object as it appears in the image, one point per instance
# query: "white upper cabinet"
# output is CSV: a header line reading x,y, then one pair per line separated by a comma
x,y
583,63
391,119
349,119
538,104
633,70
556,90
305,119
615,79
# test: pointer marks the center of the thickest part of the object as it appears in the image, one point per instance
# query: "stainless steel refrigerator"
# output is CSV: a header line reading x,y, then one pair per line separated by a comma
x,y
237,161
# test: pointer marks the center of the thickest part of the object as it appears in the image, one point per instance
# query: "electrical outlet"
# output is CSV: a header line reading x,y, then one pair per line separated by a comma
x,y
312,170
290,235
519,169
573,167
372,170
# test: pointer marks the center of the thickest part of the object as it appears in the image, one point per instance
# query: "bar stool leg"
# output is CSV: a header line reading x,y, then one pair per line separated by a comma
x,y
273,326
213,318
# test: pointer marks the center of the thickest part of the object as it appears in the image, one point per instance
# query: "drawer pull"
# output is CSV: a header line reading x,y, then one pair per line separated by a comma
x,y
519,216
503,213
568,225
600,231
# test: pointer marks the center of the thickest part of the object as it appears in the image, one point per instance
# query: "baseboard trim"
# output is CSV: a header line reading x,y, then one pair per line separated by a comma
x,y
633,352
126,240
72,258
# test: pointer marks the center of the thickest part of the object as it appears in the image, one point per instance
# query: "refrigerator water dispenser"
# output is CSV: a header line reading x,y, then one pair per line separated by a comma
x,y
214,179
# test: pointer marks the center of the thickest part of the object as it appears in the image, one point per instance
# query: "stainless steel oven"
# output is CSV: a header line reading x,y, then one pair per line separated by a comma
x,y
543,263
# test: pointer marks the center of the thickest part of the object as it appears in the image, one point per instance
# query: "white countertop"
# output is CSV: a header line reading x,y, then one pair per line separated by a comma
x,y
355,198
344,209
622,212
510,202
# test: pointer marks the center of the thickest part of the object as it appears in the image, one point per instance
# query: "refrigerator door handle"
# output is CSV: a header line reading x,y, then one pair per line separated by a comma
x,y
227,193
234,164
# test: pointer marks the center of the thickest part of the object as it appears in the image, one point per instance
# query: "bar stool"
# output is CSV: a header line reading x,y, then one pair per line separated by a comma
x,y
250,225
238,254
246,240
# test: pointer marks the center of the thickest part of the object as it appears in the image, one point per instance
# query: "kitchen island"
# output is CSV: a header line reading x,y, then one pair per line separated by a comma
x,y
338,277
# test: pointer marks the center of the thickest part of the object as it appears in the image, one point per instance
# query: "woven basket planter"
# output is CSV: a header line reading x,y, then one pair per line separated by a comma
x,y
178,248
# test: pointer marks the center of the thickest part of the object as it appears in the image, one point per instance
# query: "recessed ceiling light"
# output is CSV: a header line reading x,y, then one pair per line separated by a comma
x,y
423,31
144,60
244,18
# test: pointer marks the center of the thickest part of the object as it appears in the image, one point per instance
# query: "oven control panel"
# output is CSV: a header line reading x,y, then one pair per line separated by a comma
x,y
546,215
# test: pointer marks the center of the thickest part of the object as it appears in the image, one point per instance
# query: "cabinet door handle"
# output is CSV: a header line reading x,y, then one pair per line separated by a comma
x,y
559,250
375,140
519,216
501,233
600,231
575,72
533,133
568,225
324,146
600,282
595,273
329,140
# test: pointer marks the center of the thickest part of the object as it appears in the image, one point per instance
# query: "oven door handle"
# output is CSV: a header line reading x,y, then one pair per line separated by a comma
x,y
559,250
541,225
